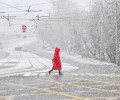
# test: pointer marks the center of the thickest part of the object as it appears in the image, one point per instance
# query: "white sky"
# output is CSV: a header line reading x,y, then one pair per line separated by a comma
x,y
45,5
84,4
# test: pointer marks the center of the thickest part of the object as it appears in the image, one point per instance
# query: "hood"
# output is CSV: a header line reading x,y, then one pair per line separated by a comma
x,y
57,49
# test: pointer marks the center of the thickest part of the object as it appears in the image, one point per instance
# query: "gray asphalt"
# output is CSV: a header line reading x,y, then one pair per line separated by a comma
x,y
89,82
69,86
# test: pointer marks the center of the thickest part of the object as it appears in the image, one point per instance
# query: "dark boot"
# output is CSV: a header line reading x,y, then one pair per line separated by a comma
x,y
50,72
60,73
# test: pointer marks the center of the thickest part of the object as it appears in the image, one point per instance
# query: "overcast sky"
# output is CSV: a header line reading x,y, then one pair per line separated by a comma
x,y
36,5
44,5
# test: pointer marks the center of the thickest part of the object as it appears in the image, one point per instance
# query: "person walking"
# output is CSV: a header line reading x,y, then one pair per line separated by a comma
x,y
56,62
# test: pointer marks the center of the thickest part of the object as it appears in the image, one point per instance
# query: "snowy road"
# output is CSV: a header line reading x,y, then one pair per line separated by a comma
x,y
20,62
28,80
26,63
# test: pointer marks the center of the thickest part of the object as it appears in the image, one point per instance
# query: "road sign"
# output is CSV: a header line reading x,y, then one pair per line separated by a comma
x,y
24,27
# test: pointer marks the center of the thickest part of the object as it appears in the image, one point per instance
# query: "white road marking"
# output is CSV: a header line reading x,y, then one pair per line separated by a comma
x,y
27,74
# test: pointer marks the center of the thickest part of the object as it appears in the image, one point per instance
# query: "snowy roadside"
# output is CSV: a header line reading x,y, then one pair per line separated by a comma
x,y
3,54
66,57
87,60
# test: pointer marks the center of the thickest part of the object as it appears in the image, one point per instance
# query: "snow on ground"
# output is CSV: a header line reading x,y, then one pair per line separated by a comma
x,y
87,60
25,62
78,58
30,63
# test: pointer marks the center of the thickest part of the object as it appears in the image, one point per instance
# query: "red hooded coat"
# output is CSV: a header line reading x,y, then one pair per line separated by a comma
x,y
57,62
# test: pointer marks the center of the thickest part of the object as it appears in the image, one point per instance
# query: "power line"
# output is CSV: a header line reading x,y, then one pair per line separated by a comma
x,y
29,5
13,7
49,9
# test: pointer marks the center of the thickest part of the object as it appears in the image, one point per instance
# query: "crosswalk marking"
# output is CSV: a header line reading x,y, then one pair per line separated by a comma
x,y
34,74
27,74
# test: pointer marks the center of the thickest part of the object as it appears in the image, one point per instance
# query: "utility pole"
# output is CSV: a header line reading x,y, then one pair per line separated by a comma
x,y
101,31
116,34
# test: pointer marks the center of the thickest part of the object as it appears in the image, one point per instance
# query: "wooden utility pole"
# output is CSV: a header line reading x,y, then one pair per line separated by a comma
x,y
116,34
101,31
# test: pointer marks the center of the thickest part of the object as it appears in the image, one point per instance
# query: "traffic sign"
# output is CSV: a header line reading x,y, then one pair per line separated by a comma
x,y
24,27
